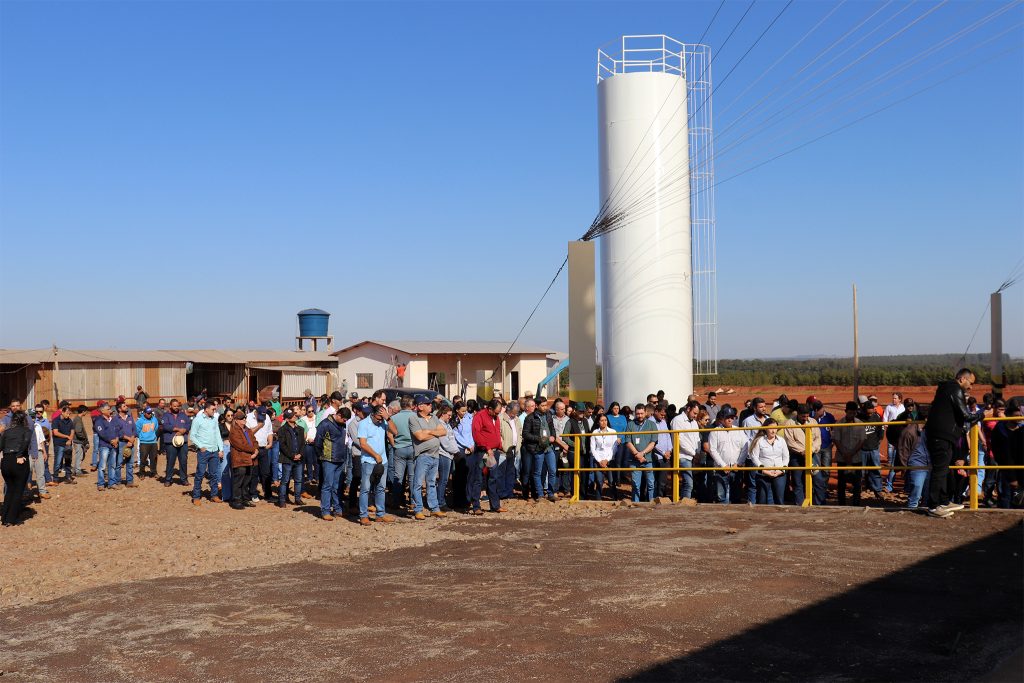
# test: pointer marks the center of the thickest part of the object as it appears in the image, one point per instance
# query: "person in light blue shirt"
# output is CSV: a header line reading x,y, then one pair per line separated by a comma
x,y
205,434
146,428
373,465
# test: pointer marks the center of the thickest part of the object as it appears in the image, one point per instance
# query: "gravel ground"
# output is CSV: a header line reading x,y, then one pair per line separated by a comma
x,y
549,592
81,539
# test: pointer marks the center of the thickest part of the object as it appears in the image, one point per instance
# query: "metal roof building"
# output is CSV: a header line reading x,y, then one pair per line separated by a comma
x,y
450,367
89,375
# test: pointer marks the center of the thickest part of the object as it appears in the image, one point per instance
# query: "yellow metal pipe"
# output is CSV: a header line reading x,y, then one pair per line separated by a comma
x,y
808,477
576,471
973,440
675,464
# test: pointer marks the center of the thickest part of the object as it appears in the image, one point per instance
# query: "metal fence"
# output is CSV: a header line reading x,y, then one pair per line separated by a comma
x,y
808,468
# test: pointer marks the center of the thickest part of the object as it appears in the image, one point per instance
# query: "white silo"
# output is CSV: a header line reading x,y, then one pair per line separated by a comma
x,y
646,290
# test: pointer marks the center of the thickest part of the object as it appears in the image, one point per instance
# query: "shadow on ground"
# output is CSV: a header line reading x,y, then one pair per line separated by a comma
x,y
951,617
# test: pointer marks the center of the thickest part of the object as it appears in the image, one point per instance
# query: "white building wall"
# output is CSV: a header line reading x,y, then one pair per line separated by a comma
x,y
368,358
416,373
371,358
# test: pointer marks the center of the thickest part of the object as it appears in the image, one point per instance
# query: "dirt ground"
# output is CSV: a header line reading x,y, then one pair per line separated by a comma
x,y
146,587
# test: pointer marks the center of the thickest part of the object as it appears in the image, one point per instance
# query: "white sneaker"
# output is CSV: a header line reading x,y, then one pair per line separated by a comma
x,y
953,507
940,512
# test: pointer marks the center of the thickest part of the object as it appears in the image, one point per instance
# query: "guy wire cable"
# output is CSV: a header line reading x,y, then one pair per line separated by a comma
x,y
863,56
606,204
628,218
783,56
806,66
895,70
706,99
850,94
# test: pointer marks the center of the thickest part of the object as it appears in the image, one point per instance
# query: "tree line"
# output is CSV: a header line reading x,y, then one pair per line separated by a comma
x,y
907,370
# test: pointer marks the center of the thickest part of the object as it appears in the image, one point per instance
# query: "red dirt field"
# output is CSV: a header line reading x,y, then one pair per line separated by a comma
x,y
592,592
834,397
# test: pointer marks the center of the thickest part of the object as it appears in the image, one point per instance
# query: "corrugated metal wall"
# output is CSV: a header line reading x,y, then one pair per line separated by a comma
x,y
88,381
294,383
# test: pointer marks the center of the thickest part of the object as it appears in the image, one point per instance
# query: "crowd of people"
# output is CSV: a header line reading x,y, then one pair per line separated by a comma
x,y
420,457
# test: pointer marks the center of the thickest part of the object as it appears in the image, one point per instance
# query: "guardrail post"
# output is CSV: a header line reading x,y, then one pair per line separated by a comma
x,y
675,464
808,476
576,471
973,439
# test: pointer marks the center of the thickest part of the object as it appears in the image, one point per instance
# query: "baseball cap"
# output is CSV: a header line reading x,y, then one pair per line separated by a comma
x,y
852,405
423,399
811,399
288,413
31,412
120,398
100,403
727,411
148,411
364,408
872,397
353,396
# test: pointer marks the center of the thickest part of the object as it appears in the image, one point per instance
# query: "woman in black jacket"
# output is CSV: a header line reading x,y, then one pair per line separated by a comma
x,y
14,443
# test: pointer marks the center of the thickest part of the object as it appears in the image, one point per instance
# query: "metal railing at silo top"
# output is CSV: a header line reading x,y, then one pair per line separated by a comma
x,y
662,54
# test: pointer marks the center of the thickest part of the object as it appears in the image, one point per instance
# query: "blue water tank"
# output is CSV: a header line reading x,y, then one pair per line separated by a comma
x,y
313,322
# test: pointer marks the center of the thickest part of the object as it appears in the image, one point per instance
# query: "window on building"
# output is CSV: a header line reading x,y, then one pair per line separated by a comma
x,y
364,380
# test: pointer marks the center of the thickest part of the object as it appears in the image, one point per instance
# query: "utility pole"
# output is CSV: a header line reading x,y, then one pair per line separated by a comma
x,y
856,355
56,373
998,378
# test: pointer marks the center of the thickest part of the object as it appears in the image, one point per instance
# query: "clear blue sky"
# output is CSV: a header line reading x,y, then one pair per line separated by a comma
x,y
191,174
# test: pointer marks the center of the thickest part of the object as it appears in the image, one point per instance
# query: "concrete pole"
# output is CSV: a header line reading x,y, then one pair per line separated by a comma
x,y
996,307
582,323
856,355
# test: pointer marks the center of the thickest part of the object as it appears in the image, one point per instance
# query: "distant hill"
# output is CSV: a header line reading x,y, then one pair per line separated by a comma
x,y
907,370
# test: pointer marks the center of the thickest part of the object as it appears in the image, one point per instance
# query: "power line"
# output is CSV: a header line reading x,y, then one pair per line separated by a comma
x,y
629,165
710,23
529,318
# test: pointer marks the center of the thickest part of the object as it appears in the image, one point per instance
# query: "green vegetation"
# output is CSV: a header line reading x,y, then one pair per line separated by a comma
x,y
921,370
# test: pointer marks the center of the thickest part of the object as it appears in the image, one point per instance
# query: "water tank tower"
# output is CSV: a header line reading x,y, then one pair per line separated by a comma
x,y
313,324
646,289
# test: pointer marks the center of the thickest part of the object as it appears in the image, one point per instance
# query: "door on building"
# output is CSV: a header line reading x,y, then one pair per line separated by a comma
x,y
435,382
514,381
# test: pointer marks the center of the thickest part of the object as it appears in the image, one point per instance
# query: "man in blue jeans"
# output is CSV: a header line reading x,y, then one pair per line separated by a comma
x,y
107,435
290,441
401,465
175,423
334,455
426,431
61,431
639,448
869,450
373,466
823,457
125,446
538,435
205,434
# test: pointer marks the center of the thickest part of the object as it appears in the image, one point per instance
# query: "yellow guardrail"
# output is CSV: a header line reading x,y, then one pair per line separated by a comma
x,y
808,468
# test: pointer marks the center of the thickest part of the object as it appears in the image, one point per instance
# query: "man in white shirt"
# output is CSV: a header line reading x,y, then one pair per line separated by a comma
x,y
728,448
689,443
311,464
259,421
756,419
